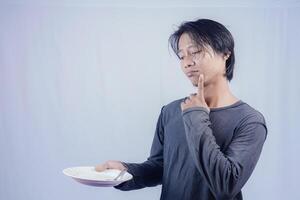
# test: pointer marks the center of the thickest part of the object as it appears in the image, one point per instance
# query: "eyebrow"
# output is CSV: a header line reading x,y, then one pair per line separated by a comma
x,y
188,46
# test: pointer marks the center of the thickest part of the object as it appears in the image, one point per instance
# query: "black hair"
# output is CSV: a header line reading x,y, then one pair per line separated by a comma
x,y
208,32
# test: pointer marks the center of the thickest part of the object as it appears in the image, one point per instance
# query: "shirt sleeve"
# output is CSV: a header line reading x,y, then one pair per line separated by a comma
x,y
224,172
148,173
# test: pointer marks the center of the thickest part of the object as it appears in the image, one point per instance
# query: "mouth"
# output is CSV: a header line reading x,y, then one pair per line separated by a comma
x,y
192,73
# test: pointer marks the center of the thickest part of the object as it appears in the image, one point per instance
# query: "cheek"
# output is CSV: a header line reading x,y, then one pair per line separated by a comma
x,y
210,67
203,66
181,66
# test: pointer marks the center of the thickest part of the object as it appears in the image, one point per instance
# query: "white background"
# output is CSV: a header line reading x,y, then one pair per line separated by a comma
x,y
82,82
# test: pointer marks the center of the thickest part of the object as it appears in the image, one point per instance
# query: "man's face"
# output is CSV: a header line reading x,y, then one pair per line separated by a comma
x,y
195,61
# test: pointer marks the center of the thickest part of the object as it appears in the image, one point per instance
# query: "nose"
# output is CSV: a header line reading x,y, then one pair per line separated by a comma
x,y
188,62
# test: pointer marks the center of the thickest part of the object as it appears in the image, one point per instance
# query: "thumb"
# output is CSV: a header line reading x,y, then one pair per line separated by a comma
x,y
101,167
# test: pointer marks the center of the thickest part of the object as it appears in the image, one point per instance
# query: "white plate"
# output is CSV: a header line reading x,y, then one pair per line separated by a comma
x,y
89,176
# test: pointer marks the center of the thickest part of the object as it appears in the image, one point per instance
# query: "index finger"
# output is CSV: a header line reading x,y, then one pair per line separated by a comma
x,y
200,84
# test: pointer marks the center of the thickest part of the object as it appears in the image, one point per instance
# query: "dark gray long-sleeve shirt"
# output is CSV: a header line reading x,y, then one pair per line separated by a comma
x,y
199,155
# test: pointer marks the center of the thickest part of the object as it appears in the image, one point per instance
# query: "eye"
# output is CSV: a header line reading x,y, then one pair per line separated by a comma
x,y
195,52
180,57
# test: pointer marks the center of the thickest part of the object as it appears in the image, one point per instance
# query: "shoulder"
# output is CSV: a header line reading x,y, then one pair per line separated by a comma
x,y
250,115
172,110
173,106
250,118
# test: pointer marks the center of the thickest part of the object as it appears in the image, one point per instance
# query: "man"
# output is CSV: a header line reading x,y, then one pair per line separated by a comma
x,y
206,145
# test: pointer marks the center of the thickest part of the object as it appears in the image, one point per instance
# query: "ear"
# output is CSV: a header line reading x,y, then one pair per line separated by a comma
x,y
226,55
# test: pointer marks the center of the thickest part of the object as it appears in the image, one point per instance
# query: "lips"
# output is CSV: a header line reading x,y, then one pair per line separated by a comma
x,y
192,73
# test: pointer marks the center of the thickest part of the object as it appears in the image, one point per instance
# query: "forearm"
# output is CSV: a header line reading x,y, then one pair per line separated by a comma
x,y
224,172
148,173
145,174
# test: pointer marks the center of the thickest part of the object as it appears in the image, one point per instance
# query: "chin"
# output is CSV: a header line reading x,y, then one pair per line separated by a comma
x,y
195,84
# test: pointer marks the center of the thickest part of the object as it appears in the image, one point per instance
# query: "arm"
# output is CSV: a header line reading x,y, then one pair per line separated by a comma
x,y
148,173
225,172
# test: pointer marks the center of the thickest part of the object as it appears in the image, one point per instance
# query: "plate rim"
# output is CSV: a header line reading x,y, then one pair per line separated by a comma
x,y
94,180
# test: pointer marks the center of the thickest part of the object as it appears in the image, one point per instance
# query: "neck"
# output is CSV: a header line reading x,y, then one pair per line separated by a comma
x,y
218,94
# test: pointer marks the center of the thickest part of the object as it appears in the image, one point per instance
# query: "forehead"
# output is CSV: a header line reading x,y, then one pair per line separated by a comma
x,y
185,41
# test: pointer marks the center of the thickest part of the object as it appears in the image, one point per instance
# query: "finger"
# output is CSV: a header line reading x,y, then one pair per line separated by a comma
x,y
193,95
201,85
185,99
115,164
182,105
101,167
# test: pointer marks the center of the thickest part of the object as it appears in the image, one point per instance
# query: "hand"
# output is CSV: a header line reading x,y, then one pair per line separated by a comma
x,y
196,100
111,164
